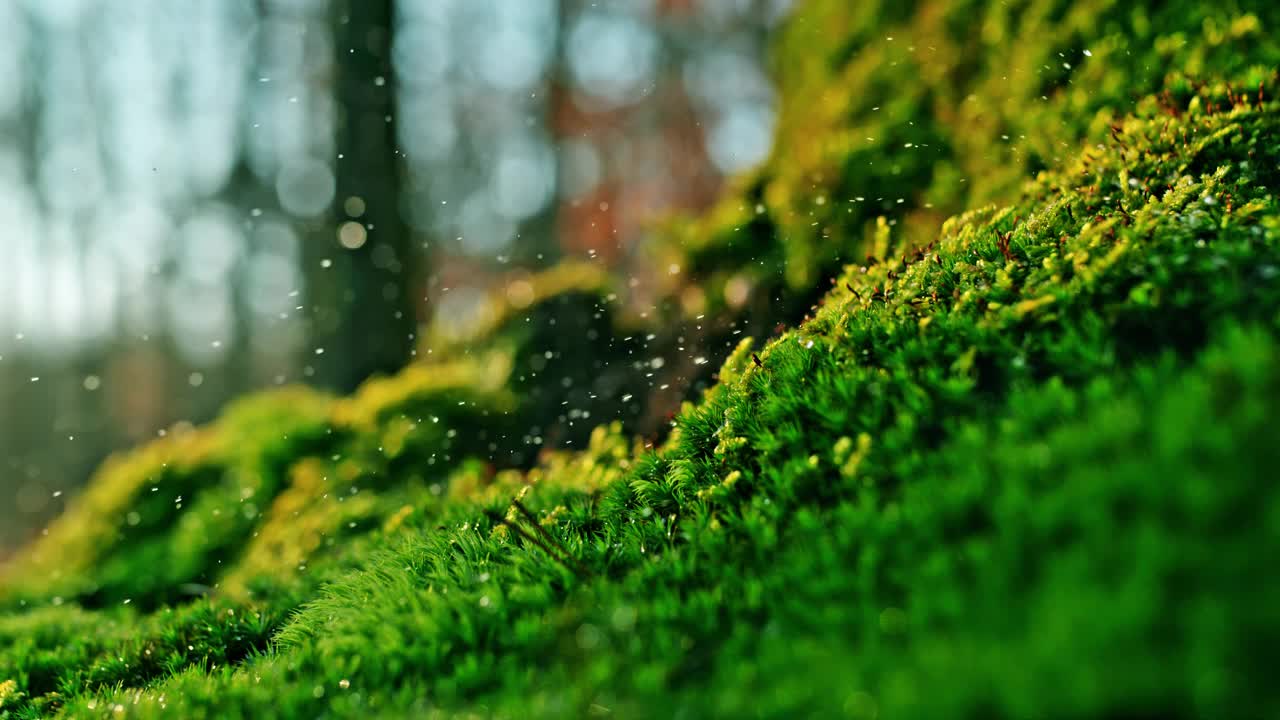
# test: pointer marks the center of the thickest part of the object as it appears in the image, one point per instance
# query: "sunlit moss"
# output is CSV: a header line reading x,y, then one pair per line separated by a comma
x,y
914,111
509,302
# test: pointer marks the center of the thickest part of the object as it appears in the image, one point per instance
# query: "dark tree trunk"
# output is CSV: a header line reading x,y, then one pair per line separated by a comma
x,y
366,321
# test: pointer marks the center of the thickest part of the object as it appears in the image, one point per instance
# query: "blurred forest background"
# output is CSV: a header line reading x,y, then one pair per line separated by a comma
x,y
205,197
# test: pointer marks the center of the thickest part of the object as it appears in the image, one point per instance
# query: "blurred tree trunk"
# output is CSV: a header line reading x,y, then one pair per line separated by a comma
x,y
367,323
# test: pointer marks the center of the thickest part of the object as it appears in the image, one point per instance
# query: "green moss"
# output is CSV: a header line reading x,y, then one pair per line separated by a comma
x,y
915,111
174,519
1017,465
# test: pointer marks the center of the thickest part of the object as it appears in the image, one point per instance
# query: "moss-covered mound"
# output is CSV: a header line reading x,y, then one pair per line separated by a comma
x,y
905,112
1017,464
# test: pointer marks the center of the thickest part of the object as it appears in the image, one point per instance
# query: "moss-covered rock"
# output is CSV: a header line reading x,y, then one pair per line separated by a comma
x,y
1015,464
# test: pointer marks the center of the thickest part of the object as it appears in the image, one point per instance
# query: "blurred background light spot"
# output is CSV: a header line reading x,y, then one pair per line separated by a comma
x,y
520,293
211,246
170,175
305,187
353,206
612,56
581,168
741,137
516,42
351,235
523,178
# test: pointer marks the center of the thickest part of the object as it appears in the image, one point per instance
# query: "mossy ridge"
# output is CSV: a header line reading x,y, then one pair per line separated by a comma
x,y
806,448
165,522
118,540
290,489
63,651
1075,555
915,111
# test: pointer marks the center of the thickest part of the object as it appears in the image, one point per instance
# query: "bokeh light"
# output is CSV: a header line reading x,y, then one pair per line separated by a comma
x,y
172,186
